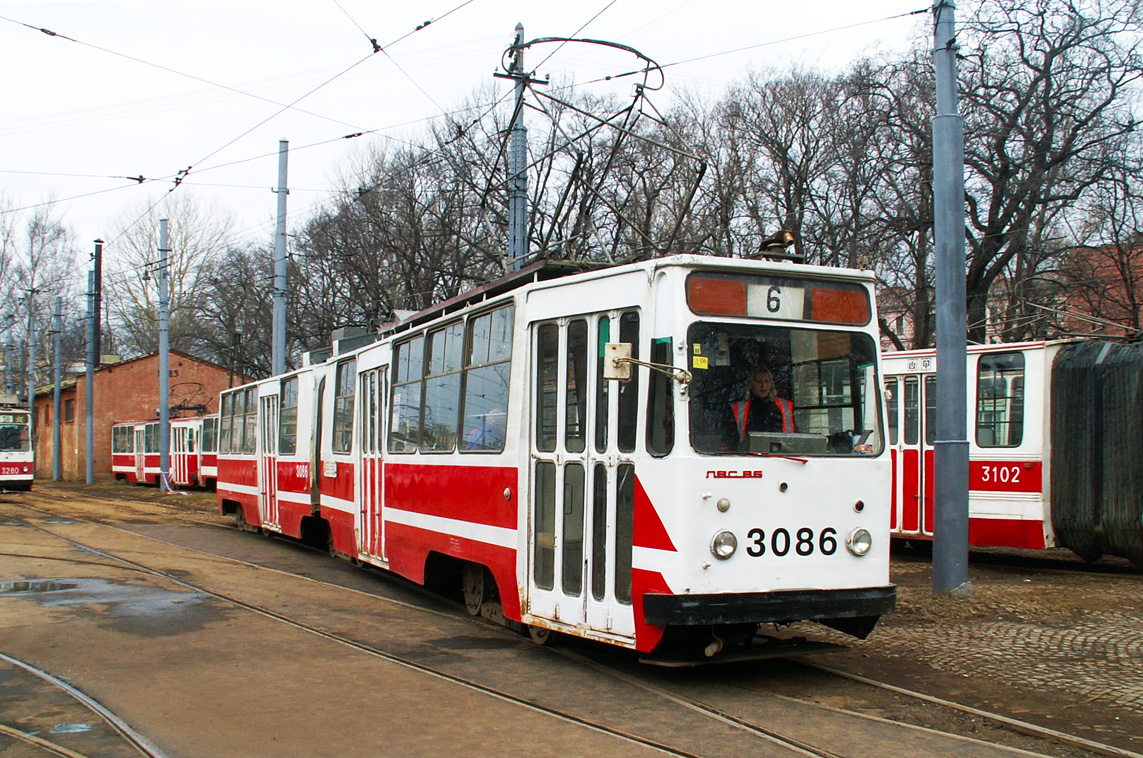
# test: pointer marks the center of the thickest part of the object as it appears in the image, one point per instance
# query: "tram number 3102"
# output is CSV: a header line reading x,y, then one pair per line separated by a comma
x,y
802,542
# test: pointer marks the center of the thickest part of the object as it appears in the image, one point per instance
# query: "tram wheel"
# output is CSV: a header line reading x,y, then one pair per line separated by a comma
x,y
541,635
472,583
240,519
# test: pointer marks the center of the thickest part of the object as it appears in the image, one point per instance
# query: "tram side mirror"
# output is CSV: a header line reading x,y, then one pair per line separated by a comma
x,y
617,361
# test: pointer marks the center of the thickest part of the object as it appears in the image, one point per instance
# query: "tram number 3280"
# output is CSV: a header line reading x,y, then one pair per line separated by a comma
x,y
802,542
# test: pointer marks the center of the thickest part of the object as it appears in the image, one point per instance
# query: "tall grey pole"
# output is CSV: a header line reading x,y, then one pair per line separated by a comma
x,y
279,328
10,369
950,531
517,162
164,363
32,368
89,382
57,446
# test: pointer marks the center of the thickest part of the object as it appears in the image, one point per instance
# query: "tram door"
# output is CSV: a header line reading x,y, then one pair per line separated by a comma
x,y
370,479
268,462
180,465
913,486
582,493
140,454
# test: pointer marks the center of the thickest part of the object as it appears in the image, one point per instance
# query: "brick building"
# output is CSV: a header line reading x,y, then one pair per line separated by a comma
x,y
125,391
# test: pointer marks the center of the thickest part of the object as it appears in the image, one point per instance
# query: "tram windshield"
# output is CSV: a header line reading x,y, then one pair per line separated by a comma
x,y
14,436
783,391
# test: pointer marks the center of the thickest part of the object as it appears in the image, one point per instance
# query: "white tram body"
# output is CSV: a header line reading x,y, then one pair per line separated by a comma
x,y
481,437
17,458
1009,433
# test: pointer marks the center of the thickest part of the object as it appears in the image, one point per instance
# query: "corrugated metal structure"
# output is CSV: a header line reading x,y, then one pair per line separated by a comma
x,y
1097,449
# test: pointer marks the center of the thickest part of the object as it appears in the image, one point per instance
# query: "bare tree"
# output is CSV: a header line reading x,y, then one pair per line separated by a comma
x,y
199,234
1046,88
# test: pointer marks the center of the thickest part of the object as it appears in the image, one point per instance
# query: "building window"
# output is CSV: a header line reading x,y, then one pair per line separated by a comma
x,y
69,410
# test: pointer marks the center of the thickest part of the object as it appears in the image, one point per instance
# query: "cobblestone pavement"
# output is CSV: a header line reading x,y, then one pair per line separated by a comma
x,y
1061,645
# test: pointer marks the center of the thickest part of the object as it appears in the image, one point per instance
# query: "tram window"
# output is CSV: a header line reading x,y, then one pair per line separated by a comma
x,y
660,402
599,532
487,369
343,406
575,420
891,408
629,391
405,407
151,438
571,569
602,386
288,420
912,410
442,388
930,409
544,526
825,383
209,435
225,422
624,530
368,412
249,429
14,437
1000,400
547,352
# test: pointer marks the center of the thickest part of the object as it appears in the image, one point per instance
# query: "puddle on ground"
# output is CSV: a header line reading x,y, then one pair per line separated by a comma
x,y
70,728
134,608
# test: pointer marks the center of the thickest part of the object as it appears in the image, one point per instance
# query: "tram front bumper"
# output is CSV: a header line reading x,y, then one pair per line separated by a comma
x,y
766,607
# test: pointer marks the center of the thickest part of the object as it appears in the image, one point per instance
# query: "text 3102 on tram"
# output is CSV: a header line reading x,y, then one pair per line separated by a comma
x,y
735,477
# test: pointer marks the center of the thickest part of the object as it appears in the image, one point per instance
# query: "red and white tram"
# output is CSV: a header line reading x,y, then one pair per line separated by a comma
x,y
17,458
483,441
135,451
135,454
194,451
1049,464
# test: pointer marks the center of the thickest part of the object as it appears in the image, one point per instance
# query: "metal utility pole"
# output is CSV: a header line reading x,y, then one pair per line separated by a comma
x,y
89,382
97,302
10,369
32,367
517,162
950,532
57,447
278,359
164,364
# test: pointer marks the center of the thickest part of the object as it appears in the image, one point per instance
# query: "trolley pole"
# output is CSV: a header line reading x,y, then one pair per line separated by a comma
x,y
279,295
518,159
164,364
57,447
950,532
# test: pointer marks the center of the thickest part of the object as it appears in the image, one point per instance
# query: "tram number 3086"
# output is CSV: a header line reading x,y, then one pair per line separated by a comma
x,y
801,542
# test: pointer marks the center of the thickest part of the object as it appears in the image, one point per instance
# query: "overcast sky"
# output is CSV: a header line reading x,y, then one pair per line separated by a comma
x,y
140,88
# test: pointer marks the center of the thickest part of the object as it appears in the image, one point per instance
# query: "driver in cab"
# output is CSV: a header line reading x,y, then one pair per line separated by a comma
x,y
762,410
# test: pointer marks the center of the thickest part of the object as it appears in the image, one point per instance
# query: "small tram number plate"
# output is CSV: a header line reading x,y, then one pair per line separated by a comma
x,y
9,470
782,542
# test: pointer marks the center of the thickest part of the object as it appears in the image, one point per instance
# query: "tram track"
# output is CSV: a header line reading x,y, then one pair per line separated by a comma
x,y
713,712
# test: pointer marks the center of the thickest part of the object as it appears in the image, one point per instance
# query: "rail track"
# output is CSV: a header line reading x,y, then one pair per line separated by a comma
x,y
694,696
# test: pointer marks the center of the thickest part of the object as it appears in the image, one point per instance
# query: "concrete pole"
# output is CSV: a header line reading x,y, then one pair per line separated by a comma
x,y
57,447
950,491
164,363
89,381
279,295
517,163
32,368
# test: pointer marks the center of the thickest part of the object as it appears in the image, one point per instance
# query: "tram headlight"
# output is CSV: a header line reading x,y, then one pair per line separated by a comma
x,y
859,541
723,545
